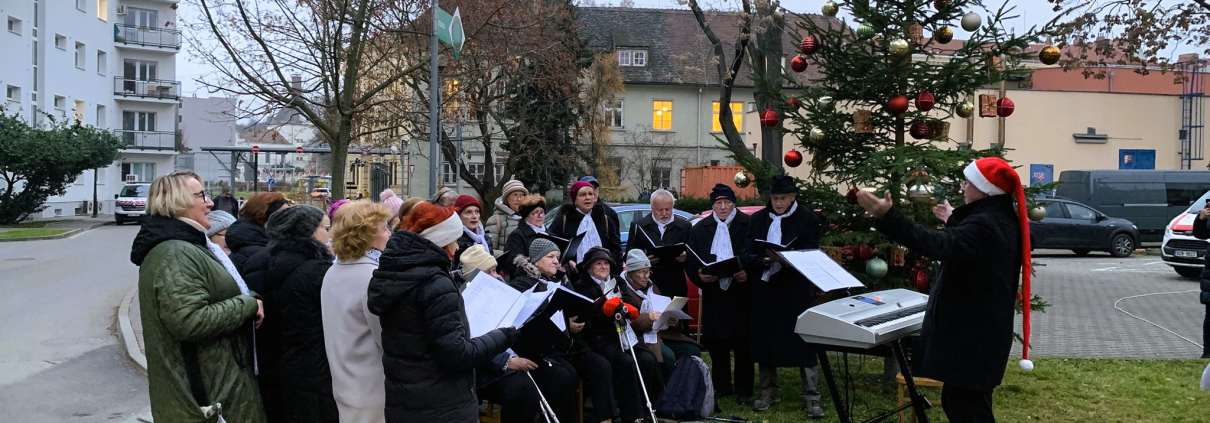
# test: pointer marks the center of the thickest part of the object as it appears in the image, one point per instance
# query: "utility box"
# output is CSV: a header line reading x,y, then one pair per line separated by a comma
x,y
697,181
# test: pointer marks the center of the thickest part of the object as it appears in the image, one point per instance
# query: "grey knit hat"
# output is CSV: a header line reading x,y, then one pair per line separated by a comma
x,y
540,248
219,221
298,222
636,259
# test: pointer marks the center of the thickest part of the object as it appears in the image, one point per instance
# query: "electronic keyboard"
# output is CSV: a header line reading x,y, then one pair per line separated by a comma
x,y
864,321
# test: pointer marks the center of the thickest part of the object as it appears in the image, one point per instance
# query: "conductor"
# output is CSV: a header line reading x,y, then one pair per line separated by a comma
x,y
983,249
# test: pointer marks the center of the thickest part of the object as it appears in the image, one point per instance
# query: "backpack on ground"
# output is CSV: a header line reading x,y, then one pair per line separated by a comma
x,y
689,393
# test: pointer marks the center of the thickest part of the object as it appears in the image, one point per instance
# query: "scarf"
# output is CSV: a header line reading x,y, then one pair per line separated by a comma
x,y
591,237
479,237
374,254
230,267
721,245
537,229
612,290
775,235
663,225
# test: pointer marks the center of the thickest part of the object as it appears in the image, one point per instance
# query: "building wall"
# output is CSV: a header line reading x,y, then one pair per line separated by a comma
x,y
1124,80
209,122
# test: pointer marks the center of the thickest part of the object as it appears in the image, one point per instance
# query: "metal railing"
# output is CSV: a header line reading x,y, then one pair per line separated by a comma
x,y
147,36
147,88
147,140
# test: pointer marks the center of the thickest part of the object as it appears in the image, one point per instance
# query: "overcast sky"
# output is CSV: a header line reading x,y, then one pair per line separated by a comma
x,y
1032,12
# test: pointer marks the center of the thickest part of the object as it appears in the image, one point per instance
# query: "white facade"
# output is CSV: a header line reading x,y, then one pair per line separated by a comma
x,y
83,60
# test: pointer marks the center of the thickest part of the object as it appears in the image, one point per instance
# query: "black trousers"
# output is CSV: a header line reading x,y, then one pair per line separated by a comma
x,y
626,381
597,375
720,350
967,405
1206,334
520,400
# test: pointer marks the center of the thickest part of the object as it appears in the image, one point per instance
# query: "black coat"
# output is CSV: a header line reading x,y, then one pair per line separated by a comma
x,y
668,276
599,330
428,355
968,326
778,302
295,274
245,238
268,336
516,245
606,220
1201,230
725,314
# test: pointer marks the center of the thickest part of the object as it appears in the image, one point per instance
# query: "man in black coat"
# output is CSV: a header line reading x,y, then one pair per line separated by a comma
x,y
726,299
1201,230
603,232
780,294
662,228
968,325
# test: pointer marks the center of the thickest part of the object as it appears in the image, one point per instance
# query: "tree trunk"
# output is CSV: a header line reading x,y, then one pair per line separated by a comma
x,y
766,66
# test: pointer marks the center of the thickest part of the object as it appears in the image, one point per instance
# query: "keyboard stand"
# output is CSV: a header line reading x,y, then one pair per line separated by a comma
x,y
918,402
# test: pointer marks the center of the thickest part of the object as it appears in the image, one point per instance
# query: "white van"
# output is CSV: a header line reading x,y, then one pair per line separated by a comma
x,y
1181,250
132,203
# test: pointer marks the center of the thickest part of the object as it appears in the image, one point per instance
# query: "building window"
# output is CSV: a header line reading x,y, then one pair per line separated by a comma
x,y
613,113
661,115
102,63
624,58
78,111
138,121
80,5
61,103
614,164
640,58
13,93
102,120
392,172
142,18
476,165
138,172
140,70
499,167
452,109
661,173
14,25
60,42
80,56
103,10
447,173
736,116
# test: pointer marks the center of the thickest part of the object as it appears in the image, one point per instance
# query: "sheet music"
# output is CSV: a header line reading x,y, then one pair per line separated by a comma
x,y
671,309
488,301
559,320
532,303
818,268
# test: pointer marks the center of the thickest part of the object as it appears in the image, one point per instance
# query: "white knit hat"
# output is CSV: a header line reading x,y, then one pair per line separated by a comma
x,y
446,232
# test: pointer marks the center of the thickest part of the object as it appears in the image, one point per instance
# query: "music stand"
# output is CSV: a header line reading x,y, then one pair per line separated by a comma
x,y
918,402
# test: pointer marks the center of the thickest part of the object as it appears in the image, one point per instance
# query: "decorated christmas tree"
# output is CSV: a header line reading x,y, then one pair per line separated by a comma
x,y
878,117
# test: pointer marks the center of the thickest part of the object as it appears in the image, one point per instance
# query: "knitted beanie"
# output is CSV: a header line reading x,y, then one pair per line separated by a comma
x,y
636,259
476,257
219,221
513,185
298,222
721,192
575,189
389,199
465,201
334,207
540,248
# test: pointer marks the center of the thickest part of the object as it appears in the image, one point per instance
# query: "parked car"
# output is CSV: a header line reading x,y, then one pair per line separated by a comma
x,y
131,204
627,214
1149,198
321,192
1070,225
1181,250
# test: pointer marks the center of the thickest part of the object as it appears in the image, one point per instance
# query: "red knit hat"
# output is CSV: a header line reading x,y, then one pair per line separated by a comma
x,y
576,187
435,223
465,201
994,176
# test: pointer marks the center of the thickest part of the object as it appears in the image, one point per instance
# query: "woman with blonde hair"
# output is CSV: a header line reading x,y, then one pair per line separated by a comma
x,y
351,332
195,315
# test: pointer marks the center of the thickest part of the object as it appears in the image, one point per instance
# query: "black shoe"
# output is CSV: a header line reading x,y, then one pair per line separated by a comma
x,y
1206,355
742,400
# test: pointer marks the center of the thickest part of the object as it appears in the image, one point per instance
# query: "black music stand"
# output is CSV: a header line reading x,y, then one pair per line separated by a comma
x,y
918,402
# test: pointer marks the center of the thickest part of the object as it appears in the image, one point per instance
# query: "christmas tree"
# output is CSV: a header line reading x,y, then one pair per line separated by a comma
x,y
877,118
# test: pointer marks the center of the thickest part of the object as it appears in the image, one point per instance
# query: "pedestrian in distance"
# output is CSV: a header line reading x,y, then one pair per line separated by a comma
x,y
429,358
984,251
298,260
1201,230
220,221
196,317
226,202
352,334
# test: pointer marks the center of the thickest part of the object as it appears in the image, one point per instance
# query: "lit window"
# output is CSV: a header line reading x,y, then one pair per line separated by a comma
x,y
78,111
103,10
613,113
737,116
661,115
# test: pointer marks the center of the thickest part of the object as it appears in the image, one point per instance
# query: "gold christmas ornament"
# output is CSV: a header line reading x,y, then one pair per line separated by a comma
x,y
742,179
965,109
898,47
943,35
1049,55
920,194
865,30
972,21
817,134
830,8
1036,214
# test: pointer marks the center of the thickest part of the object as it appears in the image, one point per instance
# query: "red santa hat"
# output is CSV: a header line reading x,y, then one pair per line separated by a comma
x,y
994,176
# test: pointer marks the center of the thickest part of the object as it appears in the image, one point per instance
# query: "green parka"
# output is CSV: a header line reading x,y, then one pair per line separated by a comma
x,y
185,295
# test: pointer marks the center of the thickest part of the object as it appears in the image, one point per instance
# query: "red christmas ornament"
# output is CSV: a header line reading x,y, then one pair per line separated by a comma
x,y
793,158
798,64
851,196
863,252
769,118
793,102
809,45
920,280
925,101
897,105
1005,107
919,130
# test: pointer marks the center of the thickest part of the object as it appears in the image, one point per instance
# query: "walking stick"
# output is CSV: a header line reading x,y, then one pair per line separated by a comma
x,y
547,411
617,323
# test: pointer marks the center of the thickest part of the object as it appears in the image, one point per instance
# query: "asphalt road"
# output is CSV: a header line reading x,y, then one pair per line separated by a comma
x,y
59,355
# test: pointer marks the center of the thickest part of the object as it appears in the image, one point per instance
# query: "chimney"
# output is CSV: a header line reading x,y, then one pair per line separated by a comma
x,y
296,82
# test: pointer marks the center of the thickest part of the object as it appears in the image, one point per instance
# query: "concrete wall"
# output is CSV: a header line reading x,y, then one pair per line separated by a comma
x,y
204,124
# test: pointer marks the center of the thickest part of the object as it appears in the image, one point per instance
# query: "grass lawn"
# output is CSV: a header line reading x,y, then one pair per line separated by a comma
x,y
1058,390
26,233
34,224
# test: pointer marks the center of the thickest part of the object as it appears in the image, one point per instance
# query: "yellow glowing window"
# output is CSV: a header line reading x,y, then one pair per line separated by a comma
x,y
737,116
661,115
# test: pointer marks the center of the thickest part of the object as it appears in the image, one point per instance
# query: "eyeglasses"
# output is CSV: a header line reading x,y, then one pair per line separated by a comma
x,y
221,233
200,194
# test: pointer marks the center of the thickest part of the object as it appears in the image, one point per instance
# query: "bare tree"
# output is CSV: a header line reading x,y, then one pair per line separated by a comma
x,y
641,150
1144,33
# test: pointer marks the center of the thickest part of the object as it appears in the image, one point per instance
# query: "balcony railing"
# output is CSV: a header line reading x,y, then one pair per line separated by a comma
x,y
147,88
146,36
147,140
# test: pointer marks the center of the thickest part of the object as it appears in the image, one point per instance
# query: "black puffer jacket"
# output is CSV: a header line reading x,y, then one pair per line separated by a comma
x,y
295,274
428,355
516,245
245,238
1201,230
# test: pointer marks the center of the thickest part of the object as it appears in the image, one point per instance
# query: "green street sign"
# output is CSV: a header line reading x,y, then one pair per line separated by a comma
x,y
449,30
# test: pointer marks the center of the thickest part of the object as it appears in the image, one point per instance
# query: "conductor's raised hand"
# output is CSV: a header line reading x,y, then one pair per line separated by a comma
x,y
943,211
874,206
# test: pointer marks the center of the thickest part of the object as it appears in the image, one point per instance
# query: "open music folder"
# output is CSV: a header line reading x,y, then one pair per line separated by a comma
x,y
663,252
567,247
721,268
818,268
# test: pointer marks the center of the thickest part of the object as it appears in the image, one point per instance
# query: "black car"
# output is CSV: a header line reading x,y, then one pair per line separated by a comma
x,y
1073,226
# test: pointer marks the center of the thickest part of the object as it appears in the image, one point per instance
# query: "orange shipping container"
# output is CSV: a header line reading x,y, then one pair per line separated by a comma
x,y
696,181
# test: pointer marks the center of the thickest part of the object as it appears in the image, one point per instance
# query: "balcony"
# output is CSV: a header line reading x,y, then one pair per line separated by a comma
x,y
146,37
147,89
147,140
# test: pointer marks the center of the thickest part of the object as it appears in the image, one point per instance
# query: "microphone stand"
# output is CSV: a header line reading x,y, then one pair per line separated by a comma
x,y
547,411
617,323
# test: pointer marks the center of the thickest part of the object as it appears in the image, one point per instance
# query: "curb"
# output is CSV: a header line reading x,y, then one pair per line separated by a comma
x,y
126,332
48,237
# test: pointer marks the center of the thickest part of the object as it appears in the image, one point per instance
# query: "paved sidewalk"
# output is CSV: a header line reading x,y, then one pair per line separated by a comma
x,y
130,327
73,224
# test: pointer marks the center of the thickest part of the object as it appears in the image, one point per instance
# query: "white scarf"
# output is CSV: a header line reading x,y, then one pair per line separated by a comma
x,y
774,235
591,237
662,225
538,229
478,235
612,290
721,246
